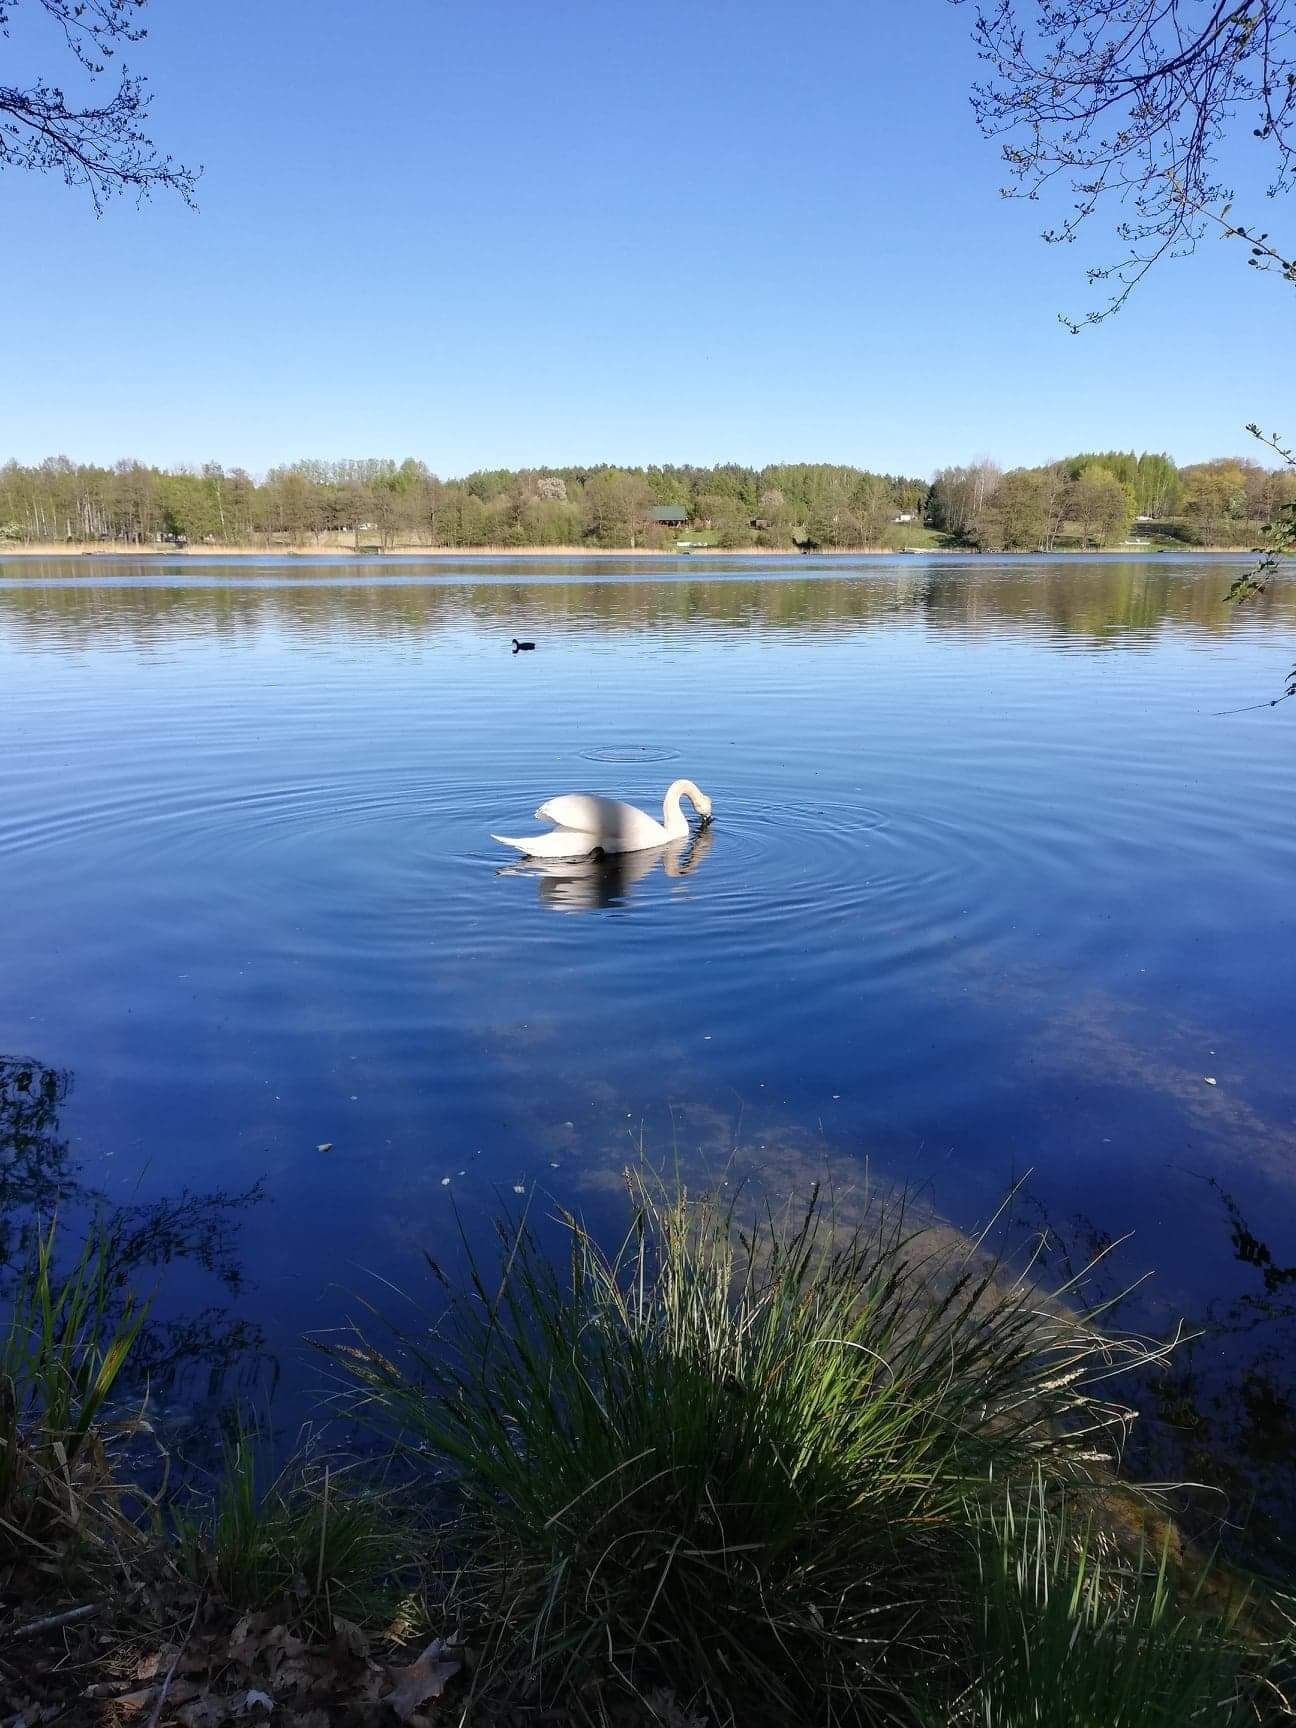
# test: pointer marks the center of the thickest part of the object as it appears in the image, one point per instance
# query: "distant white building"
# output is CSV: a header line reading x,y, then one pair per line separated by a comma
x,y
904,516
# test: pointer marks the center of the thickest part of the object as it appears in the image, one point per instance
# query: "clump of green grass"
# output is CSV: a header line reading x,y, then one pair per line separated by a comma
x,y
60,1358
749,1466
308,1545
1071,1633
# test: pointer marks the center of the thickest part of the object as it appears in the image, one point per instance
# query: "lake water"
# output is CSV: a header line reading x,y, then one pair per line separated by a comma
x,y
992,885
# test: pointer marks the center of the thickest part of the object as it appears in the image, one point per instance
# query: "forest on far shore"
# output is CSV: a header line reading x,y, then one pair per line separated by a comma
x,y
1091,499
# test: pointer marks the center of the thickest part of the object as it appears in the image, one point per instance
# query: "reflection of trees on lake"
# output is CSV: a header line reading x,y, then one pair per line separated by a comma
x,y
142,1239
1229,1397
1110,601
1094,600
34,1175
1221,1409
198,1229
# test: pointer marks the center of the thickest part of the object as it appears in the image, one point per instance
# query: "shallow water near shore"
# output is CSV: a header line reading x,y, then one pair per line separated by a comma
x,y
993,885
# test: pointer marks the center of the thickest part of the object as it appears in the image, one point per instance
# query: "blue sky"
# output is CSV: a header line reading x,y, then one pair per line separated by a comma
x,y
504,233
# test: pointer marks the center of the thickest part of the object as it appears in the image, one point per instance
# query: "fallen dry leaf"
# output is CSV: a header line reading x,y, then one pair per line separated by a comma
x,y
666,1710
245,1639
130,1702
424,1678
311,1671
253,1700
369,1687
33,1715
206,1711
280,1646
351,1641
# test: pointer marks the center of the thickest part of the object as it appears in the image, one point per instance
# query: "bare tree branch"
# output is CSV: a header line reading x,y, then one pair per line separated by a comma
x,y
1126,103
100,145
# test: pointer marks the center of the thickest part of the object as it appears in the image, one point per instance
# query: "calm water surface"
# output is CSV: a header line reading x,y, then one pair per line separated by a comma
x,y
992,886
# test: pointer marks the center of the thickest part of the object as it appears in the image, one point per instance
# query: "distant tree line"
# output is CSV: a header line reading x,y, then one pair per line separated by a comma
x,y
1097,498
389,503
1091,499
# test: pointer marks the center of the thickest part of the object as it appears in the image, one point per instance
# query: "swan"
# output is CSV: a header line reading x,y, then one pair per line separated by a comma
x,y
594,882
584,823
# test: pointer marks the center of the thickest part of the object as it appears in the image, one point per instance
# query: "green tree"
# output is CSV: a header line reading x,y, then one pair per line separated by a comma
x,y
1157,485
1101,507
188,506
1214,489
960,496
1018,517
615,507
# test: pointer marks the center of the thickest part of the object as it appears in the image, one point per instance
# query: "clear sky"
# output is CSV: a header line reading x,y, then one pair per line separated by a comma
x,y
500,233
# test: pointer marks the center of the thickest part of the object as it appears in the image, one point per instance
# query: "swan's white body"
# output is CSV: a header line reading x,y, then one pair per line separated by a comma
x,y
584,823
595,881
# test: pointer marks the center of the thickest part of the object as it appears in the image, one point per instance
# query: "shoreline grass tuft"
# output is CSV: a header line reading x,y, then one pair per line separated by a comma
x,y
1069,1630
751,1464
732,1471
311,1546
61,1356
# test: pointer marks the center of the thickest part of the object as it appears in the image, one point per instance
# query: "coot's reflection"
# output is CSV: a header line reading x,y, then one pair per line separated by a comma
x,y
582,884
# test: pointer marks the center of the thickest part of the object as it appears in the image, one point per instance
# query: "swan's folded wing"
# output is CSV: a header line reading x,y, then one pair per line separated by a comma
x,y
557,843
585,811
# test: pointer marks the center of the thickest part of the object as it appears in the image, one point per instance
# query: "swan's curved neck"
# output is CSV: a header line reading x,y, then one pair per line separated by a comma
x,y
674,820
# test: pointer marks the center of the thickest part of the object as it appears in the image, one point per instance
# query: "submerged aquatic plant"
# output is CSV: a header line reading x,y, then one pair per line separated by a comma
x,y
746,1464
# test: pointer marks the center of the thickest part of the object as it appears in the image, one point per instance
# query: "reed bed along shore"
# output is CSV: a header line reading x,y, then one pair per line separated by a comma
x,y
738,1468
345,548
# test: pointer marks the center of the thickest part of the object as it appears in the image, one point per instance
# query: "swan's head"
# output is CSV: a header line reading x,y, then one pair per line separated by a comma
x,y
693,792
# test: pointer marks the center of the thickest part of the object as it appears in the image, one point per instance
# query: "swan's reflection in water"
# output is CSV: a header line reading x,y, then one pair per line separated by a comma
x,y
583,884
